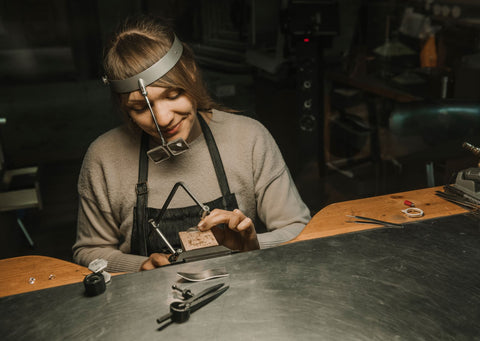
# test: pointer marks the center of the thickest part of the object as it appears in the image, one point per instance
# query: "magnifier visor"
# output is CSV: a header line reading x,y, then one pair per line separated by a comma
x,y
164,152
140,82
158,154
177,146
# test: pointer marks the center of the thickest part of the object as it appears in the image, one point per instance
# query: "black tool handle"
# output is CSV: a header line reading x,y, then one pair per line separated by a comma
x,y
206,299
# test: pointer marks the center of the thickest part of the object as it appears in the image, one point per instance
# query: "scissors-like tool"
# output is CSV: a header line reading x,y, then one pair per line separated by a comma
x,y
366,220
180,310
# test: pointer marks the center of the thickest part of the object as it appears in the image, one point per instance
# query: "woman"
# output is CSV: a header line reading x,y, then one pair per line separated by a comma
x,y
176,132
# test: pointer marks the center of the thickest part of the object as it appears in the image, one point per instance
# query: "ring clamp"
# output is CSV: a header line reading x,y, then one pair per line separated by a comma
x,y
413,212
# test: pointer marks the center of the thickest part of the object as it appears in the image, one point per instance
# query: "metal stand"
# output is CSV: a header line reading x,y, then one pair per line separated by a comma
x,y
25,232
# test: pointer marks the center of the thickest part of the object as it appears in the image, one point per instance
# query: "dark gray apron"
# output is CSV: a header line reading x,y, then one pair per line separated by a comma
x,y
145,240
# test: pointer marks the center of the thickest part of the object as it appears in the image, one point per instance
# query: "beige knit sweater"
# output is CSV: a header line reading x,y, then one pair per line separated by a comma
x,y
255,170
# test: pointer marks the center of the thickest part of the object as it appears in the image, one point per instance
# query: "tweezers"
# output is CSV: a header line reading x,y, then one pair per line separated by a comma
x,y
366,220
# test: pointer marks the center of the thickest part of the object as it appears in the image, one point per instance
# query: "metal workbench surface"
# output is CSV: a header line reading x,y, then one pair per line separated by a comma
x,y
420,282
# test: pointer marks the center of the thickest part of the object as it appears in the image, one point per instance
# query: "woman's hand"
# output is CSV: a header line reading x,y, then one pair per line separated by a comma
x,y
155,260
238,233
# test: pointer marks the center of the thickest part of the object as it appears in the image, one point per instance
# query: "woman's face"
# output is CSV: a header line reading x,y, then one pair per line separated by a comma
x,y
174,111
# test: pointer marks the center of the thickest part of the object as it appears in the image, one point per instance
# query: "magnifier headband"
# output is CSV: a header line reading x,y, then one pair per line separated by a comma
x,y
153,73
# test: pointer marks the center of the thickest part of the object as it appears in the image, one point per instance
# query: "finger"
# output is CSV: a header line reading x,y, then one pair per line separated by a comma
x,y
147,265
245,224
203,224
216,217
234,220
159,259
240,213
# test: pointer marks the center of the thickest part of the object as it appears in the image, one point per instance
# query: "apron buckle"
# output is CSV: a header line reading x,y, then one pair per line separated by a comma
x,y
141,188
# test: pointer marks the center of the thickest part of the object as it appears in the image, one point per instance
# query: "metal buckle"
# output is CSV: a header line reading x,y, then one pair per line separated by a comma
x,y
141,188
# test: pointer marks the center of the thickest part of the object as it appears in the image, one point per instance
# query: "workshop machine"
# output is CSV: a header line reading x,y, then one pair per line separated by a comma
x,y
466,188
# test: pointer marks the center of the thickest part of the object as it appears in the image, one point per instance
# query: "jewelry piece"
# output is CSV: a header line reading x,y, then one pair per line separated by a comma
x,y
413,212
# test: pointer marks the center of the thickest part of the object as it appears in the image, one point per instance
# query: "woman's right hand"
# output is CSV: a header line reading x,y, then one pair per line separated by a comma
x,y
155,260
239,232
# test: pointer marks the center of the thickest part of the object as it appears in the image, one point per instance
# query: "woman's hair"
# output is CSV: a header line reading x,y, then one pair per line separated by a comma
x,y
139,43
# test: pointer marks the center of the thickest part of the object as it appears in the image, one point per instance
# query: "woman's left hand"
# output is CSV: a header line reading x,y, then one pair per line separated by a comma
x,y
239,232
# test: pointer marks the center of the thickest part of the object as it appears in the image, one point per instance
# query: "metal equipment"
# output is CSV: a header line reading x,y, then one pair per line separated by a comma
x,y
180,310
139,82
467,182
187,256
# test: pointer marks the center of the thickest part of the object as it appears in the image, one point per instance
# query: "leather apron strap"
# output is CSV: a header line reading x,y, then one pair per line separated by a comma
x,y
217,161
139,240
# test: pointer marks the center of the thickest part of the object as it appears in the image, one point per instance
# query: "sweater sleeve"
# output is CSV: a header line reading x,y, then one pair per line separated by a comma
x,y
98,237
283,211
98,232
279,204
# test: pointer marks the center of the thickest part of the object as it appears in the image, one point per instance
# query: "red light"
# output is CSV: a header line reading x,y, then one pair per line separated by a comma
x,y
306,40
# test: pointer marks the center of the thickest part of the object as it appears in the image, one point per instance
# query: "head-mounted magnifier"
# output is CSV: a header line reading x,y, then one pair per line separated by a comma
x,y
140,82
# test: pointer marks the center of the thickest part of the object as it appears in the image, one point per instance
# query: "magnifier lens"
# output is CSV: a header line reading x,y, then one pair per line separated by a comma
x,y
158,154
177,146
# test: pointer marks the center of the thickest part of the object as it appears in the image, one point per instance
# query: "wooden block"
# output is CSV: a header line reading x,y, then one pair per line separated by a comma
x,y
197,240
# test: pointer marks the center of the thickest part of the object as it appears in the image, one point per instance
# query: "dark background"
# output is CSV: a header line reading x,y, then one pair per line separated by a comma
x,y
254,59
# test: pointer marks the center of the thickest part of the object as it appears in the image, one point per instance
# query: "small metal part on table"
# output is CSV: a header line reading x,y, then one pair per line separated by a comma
x,y
186,293
413,212
203,275
97,265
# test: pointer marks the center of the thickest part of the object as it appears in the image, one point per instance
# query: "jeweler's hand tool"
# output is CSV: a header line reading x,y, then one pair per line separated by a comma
x,y
186,293
461,201
203,275
180,310
155,223
366,220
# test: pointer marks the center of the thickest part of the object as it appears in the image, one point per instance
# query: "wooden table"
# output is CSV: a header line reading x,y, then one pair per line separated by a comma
x,y
29,273
331,220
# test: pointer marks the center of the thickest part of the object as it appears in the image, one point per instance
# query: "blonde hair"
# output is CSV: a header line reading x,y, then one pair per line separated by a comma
x,y
139,43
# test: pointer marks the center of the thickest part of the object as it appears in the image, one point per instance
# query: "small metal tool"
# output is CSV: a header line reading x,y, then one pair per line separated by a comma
x,y
180,311
186,293
366,220
165,240
203,275
459,200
